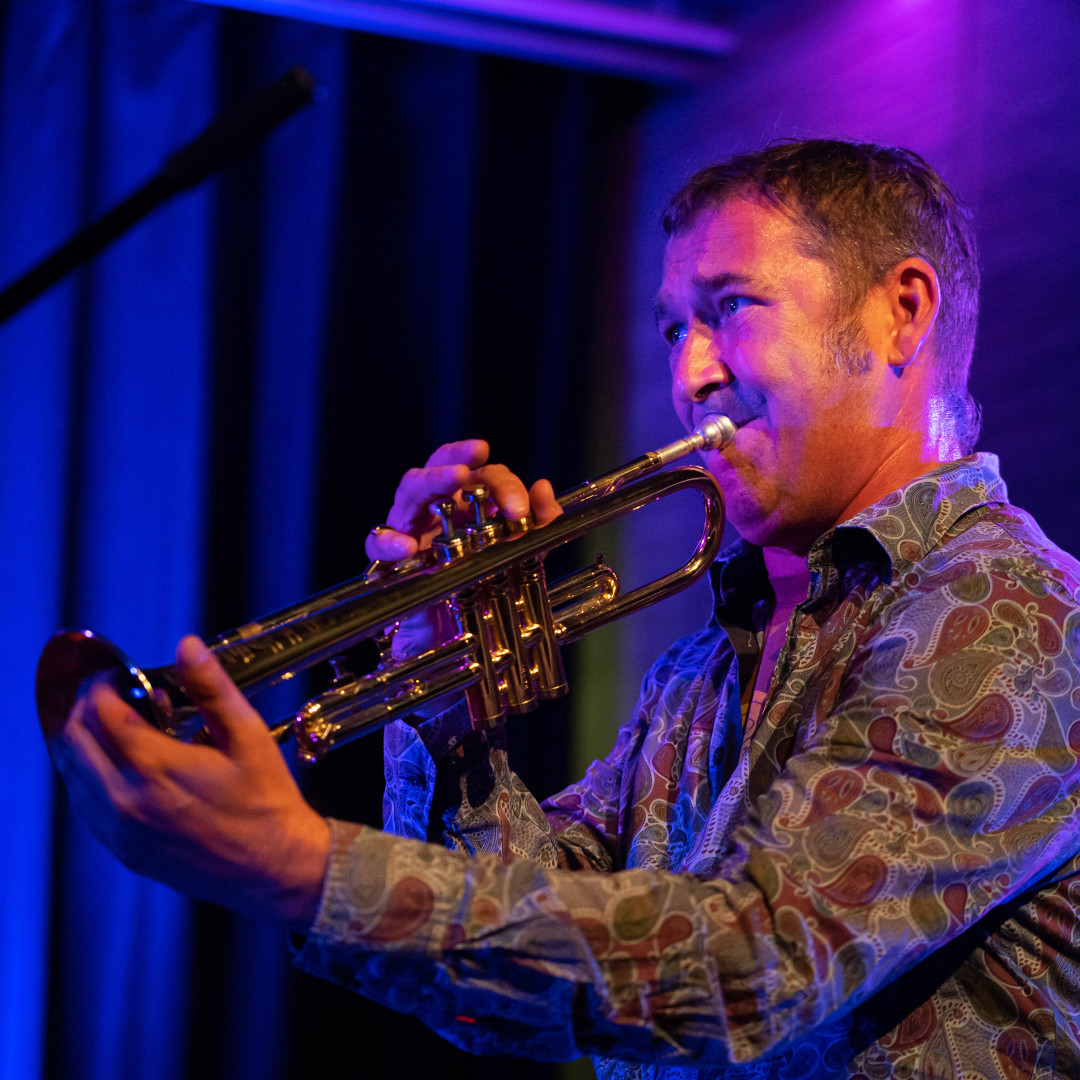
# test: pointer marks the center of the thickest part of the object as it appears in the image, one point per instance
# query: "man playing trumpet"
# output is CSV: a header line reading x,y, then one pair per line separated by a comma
x,y
839,835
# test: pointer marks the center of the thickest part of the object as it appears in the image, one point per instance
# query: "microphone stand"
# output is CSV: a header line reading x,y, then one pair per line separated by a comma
x,y
235,130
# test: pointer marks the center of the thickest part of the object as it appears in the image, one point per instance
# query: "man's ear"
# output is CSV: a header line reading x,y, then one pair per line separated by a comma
x,y
915,299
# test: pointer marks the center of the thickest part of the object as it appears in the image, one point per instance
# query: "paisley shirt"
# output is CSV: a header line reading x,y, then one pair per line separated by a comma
x,y
879,878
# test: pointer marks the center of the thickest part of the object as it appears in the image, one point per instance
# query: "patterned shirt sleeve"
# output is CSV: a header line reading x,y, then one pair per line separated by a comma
x,y
932,774
445,782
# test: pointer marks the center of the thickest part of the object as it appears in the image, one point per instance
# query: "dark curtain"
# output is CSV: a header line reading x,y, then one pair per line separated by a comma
x,y
202,425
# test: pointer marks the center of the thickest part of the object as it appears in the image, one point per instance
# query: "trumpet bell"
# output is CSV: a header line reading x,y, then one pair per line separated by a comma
x,y
71,659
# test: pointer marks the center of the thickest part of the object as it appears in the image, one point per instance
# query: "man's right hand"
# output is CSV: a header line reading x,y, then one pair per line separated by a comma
x,y
411,525
452,468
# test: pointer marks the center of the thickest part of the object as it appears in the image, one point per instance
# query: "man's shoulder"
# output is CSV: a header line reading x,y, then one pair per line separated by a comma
x,y
1001,541
955,524
995,569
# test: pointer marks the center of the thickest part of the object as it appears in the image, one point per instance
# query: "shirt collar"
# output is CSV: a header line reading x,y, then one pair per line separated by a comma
x,y
742,595
877,543
910,522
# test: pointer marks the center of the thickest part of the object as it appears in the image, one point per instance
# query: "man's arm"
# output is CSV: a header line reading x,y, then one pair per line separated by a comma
x,y
897,822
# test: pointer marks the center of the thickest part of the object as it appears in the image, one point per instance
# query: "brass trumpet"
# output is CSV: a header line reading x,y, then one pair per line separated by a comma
x,y
505,656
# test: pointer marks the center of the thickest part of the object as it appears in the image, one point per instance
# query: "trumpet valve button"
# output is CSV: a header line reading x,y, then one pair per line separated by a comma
x,y
478,497
451,543
444,511
484,531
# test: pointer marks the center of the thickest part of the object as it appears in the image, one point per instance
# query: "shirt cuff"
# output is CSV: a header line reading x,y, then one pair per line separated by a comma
x,y
357,910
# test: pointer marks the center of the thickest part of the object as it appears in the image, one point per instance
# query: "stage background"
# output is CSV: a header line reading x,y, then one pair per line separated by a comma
x,y
202,425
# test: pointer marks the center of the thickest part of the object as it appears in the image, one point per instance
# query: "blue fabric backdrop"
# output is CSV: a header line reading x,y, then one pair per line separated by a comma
x,y
201,425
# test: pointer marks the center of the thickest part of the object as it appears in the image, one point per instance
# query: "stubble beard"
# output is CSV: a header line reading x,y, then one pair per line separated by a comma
x,y
846,348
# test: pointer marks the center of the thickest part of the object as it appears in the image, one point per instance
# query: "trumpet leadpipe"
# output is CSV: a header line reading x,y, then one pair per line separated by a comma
x,y
713,433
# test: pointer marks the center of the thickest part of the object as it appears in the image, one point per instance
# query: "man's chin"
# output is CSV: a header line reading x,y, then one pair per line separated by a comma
x,y
765,525
747,516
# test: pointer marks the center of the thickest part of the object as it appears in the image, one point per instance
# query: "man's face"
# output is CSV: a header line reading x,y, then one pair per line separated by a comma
x,y
750,321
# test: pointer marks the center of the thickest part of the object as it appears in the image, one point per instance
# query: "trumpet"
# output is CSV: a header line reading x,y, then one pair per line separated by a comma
x,y
505,655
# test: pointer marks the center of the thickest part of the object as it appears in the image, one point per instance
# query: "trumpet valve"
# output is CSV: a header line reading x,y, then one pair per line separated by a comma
x,y
451,543
484,530
547,671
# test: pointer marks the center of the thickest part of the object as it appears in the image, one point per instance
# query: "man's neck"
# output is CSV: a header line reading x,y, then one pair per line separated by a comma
x,y
912,457
788,575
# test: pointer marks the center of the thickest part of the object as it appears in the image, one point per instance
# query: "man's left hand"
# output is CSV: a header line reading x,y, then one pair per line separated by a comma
x,y
224,822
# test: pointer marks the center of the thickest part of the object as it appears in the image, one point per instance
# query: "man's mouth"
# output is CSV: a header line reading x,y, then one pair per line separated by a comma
x,y
740,420
741,408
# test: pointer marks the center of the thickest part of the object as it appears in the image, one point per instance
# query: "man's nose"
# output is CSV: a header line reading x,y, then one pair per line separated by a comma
x,y
699,369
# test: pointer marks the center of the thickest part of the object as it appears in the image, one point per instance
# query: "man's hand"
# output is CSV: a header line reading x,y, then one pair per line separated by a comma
x,y
453,467
224,822
412,525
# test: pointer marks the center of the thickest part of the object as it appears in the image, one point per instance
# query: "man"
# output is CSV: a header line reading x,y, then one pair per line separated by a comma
x,y
839,835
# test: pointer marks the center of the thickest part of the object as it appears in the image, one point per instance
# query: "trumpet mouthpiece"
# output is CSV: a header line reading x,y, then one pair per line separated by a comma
x,y
715,432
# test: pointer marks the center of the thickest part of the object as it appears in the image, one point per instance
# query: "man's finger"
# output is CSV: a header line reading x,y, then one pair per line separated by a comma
x,y
228,714
419,488
121,733
80,751
470,452
505,489
545,506
389,545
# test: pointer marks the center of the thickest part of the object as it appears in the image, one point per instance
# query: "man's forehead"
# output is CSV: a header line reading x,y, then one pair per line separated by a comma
x,y
735,228
739,239
731,240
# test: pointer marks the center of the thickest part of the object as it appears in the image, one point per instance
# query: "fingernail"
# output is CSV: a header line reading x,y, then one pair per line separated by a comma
x,y
193,650
517,506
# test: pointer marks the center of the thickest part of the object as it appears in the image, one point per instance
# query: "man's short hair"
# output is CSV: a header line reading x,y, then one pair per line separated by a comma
x,y
864,209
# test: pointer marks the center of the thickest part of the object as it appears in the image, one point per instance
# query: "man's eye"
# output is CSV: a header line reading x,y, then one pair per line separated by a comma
x,y
732,305
676,334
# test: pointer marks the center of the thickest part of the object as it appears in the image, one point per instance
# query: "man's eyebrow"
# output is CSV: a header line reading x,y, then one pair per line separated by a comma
x,y
726,279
